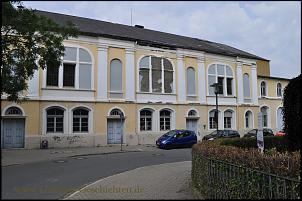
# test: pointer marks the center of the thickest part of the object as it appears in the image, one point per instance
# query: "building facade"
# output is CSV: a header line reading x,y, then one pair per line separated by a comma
x,y
111,88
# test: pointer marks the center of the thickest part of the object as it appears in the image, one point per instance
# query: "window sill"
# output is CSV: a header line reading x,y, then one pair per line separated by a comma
x,y
222,96
154,93
67,89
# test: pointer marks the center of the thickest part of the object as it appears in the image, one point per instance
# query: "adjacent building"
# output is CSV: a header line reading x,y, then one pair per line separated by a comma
x,y
119,82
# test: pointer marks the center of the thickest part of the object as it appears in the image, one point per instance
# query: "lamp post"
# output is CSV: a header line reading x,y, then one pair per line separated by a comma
x,y
216,86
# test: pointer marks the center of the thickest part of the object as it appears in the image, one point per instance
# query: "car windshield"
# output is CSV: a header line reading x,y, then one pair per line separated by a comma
x,y
253,132
215,133
170,133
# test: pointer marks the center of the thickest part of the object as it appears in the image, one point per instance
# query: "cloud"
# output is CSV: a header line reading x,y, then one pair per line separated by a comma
x,y
268,29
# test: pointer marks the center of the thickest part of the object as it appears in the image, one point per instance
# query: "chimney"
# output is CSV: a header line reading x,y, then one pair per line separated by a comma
x,y
139,26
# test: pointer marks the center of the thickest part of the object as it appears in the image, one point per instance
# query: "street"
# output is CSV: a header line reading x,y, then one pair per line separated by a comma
x,y
57,178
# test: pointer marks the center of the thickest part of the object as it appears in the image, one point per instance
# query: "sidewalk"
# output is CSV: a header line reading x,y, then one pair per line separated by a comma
x,y
24,156
164,181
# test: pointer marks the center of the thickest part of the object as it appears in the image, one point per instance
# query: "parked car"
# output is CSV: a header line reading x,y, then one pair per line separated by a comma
x,y
253,133
221,134
280,133
177,138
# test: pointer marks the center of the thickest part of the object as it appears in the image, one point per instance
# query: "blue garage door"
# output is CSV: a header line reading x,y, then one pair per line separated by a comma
x,y
13,133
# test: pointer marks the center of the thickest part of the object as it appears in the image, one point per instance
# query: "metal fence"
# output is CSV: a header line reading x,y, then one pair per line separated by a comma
x,y
217,179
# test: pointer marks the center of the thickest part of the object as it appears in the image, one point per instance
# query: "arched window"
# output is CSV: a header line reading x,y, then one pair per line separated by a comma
x,y
279,90
223,75
116,76
228,119
264,111
212,122
246,86
192,113
263,88
248,119
116,112
80,120
13,111
77,70
155,75
165,120
55,120
191,83
145,120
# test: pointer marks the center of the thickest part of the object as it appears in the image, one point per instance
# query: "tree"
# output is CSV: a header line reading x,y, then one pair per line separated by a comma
x,y
29,42
292,113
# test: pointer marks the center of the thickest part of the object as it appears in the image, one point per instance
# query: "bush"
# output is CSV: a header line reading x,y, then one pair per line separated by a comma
x,y
229,172
284,164
292,112
270,142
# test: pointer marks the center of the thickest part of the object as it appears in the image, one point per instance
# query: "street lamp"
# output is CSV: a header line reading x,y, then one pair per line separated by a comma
x,y
216,89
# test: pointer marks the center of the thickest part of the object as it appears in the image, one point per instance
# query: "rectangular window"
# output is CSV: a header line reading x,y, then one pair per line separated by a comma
x,y
156,81
59,124
264,120
50,124
211,80
85,76
68,75
220,85
227,122
145,124
229,86
52,78
168,81
144,79
247,122
213,124
80,124
164,123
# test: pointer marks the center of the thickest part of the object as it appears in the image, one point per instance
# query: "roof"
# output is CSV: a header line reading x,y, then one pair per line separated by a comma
x,y
274,78
92,27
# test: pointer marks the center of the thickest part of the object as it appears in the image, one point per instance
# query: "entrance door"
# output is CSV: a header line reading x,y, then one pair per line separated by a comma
x,y
192,125
114,129
13,133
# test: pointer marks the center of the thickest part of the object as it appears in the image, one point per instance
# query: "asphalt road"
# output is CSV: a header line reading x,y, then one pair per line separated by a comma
x,y
55,179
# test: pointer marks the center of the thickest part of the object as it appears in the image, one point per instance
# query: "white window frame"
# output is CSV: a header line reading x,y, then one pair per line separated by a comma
x,y
251,120
77,65
162,75
194,94
88,116
277,88
117,91
265,88
145,120
225,76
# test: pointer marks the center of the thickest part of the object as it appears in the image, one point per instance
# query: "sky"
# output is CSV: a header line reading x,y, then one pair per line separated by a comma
x,y
271,30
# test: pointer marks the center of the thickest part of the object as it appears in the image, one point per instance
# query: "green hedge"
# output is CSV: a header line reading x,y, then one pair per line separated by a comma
x,y
270,142
206,176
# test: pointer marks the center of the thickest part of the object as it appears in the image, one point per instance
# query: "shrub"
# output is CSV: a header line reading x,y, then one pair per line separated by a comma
x,y
284,164
229,172
292,112
270,142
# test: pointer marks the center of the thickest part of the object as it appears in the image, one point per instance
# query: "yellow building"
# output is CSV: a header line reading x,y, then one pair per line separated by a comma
x,y
131,83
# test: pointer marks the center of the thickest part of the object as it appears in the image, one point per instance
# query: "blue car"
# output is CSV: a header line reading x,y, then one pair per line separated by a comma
x,y
177,138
